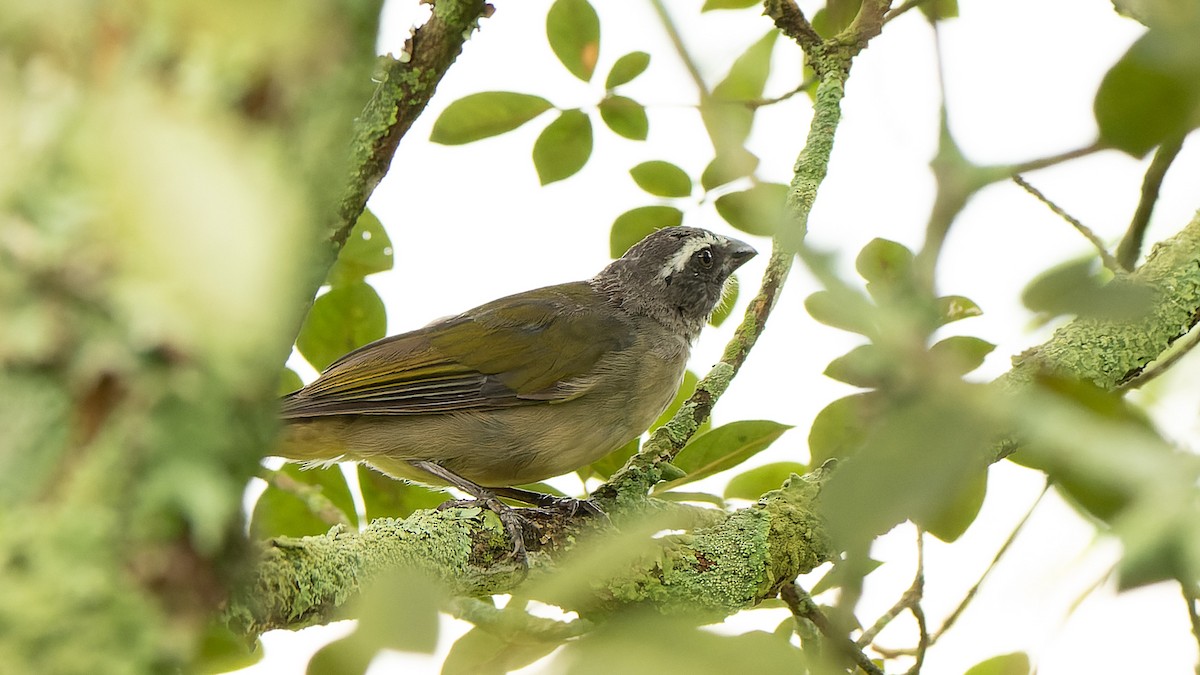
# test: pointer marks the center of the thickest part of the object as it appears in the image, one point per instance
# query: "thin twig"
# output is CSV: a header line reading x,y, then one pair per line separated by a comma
x,y
804,607
1045,162
918,612
907,600
1131,244
758,103
962,605
1109,261
684,55
1190,599
911,4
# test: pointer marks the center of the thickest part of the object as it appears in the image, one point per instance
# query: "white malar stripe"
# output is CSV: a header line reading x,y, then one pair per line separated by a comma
x,y
685,253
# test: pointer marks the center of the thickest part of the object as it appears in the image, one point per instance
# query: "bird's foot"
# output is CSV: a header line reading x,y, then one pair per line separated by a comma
x,y
516,526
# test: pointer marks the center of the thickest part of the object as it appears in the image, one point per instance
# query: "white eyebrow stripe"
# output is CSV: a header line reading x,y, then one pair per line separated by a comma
x,y
678,261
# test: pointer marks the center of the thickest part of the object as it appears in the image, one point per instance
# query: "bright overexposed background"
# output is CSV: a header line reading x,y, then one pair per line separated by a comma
x,y
470,223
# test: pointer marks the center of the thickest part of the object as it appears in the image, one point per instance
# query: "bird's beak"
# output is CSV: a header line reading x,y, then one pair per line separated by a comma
x,y
739,253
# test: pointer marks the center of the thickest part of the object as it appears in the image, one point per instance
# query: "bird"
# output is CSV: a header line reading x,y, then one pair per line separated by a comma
x,y
523,388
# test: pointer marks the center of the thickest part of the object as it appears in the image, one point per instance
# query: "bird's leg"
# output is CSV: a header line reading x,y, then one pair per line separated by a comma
x,y
513,523
570,505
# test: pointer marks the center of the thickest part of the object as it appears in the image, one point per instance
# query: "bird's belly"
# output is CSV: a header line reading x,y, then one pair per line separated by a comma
x,y
508,447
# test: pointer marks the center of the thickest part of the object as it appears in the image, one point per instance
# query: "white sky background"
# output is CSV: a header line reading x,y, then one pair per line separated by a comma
x,y
470,224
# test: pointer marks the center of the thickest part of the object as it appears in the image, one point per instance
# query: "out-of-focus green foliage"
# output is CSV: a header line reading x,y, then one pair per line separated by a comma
x,y
1016,663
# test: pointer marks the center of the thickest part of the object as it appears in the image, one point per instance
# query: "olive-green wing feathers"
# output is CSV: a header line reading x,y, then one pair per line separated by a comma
x,y
534,347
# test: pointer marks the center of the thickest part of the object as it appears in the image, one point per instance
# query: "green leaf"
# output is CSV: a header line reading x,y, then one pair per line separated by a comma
x,y
625,117
727,167
662,179
368,250
709,5
281,512
1079,287
758,211
956,514
886,263
729,297
350,655
760,480
844,310
1016,663
864,366
835,17
748,75
345,318
911,463
480,652
626,68
573,30
840,429
289,381
953,308
838,576
686,389
635,224
485,114
960,354
563,147
725,114
221,651
684,496
386,497
723,448
937,10
1152,93
648,643
606,466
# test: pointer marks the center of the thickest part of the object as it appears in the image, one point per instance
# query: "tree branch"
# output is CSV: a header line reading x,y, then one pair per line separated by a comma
x,y
1131,244
403,92
804,607
716,570
1110,353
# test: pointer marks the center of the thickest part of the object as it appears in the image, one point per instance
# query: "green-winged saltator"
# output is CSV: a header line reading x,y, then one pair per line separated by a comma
x,y
526,387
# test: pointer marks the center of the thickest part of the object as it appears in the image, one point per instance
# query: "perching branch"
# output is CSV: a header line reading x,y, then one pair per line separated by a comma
x,y
717,570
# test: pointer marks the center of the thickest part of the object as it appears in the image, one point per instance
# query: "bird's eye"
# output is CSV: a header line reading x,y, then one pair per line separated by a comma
x,y
705,257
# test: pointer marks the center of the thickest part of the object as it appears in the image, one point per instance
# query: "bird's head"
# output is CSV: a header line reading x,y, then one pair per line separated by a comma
x,y
675,275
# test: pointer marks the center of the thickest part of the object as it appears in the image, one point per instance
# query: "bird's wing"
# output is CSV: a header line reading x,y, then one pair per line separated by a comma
x,y
534,347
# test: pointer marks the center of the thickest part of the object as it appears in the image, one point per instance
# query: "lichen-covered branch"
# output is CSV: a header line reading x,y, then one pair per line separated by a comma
x,y
716,569
1109,353
404,90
